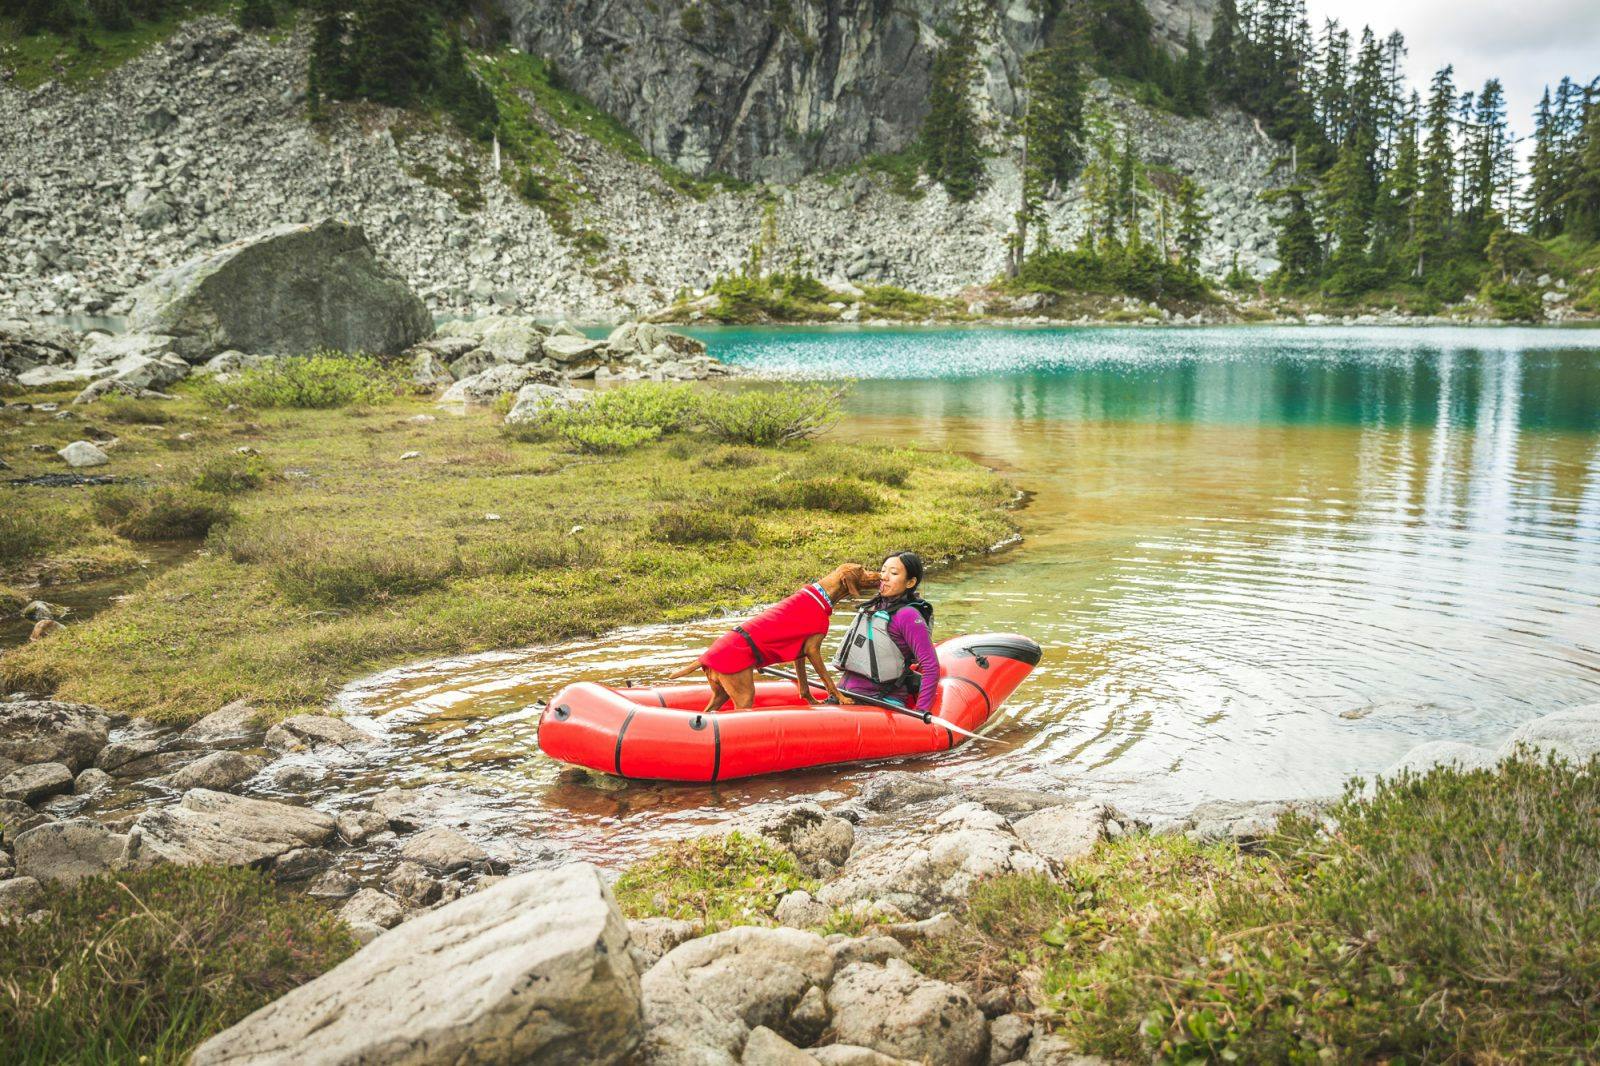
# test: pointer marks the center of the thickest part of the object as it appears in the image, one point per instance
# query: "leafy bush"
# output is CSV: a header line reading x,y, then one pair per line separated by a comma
x,y
230,475
780,297
702,525
143,967
1137,271
764,417
166,513
1449,918
716,881
616,420
839,495
1513,302
322,380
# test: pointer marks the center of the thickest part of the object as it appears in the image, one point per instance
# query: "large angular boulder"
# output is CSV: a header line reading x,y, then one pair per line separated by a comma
x,y
484,386
215,828
1436,753
235,724
220,771
30,784
288,291
443,850
895,1010
536,401
33,731
26,345
820,842
64,853
1061,833
703,998
534,969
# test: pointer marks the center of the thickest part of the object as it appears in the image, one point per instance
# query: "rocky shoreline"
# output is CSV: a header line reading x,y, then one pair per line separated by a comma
x,y
84,793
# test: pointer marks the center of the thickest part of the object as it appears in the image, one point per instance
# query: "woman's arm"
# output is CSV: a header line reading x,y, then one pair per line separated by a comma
x,y
909,625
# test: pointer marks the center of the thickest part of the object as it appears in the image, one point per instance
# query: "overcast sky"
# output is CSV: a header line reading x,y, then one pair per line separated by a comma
x,y
1527,44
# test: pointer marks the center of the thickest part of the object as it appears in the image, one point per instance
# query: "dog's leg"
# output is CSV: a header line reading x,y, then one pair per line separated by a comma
x,y
799,667
813,651
719,694
741,689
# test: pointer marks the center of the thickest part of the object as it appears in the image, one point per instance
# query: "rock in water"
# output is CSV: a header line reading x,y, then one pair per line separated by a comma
x,y
535,969
288,291
214,828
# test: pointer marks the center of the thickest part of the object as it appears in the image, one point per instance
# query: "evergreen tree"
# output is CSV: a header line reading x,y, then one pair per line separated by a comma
x,y
1544,172
1582,198
951,141
394,51
1222,59
1488,161
1299,250
1394,211
1128,190
111,14
1194,225
330,74
1347,208
1053,120
1436,204
257,15
1190,94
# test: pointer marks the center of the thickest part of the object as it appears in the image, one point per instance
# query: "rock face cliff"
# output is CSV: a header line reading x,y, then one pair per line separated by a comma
x,y
773,89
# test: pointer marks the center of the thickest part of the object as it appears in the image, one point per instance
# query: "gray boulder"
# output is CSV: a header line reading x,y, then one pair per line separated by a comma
x,y
235,724
535,401
221,771
306,732
82,453
19,896
484,386
935,869
17,818
642,338
766,1048
819,841
1425,757
534,969
369,907
288,291
654,937
1573,734
566,349
26,345
215,828
442,850
473,362
427,370
895,1010
507,338
30,784
704,997
64,853
90,781
1062,833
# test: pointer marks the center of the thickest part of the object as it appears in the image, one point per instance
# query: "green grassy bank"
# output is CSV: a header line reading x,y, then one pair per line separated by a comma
x,y
330,550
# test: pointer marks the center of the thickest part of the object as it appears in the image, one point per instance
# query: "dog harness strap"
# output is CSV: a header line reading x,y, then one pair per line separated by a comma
x,y
755,652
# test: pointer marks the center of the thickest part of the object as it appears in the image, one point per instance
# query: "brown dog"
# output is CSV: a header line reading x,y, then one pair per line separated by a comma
x,y
789,631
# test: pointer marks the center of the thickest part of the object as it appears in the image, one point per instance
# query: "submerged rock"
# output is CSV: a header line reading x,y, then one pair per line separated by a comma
x,y
1573,735
535,969
288,291
221,771
312,731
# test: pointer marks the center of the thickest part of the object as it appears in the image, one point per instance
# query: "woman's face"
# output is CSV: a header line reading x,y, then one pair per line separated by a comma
x,y
893,578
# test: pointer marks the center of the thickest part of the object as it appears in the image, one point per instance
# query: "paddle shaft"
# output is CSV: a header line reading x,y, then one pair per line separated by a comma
x,y
927,717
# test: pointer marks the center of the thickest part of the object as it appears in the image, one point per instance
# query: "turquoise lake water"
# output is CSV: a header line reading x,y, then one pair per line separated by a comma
x,y
1260,561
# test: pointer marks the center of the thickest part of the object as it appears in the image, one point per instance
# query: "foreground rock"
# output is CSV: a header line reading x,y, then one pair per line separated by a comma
x,y
215,828
288,291
221,771
1573,735
534,969
35,731
312,731
895,1010
233,725
64,853
922,873
30,784
704,997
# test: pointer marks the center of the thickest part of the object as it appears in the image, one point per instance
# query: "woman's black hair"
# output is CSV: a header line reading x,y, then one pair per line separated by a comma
x,y
912,596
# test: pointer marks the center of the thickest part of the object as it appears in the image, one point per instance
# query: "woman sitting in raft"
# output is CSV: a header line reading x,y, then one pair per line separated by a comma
x,y
889,635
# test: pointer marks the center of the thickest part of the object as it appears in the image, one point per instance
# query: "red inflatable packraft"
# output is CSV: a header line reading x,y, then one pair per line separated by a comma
x,y
660,733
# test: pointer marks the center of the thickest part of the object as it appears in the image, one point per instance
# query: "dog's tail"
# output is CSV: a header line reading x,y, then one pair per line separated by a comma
x,y
694,664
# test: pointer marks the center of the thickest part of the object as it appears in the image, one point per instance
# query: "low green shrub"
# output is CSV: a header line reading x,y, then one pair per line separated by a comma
x,y
322,380
1513,302
532,552
715,881
616,420
141,967
1450,918
732,458
230,475
701,525
767,416
1135,271
839,495
164,513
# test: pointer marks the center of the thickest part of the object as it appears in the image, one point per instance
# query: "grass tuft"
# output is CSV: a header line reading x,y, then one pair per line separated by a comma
x,y
715,881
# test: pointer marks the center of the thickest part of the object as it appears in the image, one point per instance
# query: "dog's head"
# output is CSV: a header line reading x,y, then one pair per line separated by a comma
x,y
853,577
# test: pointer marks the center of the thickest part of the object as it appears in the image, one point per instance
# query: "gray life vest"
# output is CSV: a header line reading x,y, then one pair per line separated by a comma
x,y
870,651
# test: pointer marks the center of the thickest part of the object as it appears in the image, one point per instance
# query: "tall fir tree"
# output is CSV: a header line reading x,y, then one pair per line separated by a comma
x,y
394,50
1194,225
1582,198
1436,195
951,141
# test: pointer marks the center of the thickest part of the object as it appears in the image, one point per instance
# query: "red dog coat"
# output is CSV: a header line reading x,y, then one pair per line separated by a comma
x,y
776,635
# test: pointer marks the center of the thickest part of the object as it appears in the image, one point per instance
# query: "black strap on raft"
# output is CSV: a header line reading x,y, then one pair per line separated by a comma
x,y
755,652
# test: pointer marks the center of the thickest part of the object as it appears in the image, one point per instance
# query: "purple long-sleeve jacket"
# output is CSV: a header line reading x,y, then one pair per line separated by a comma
x,y
909,630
